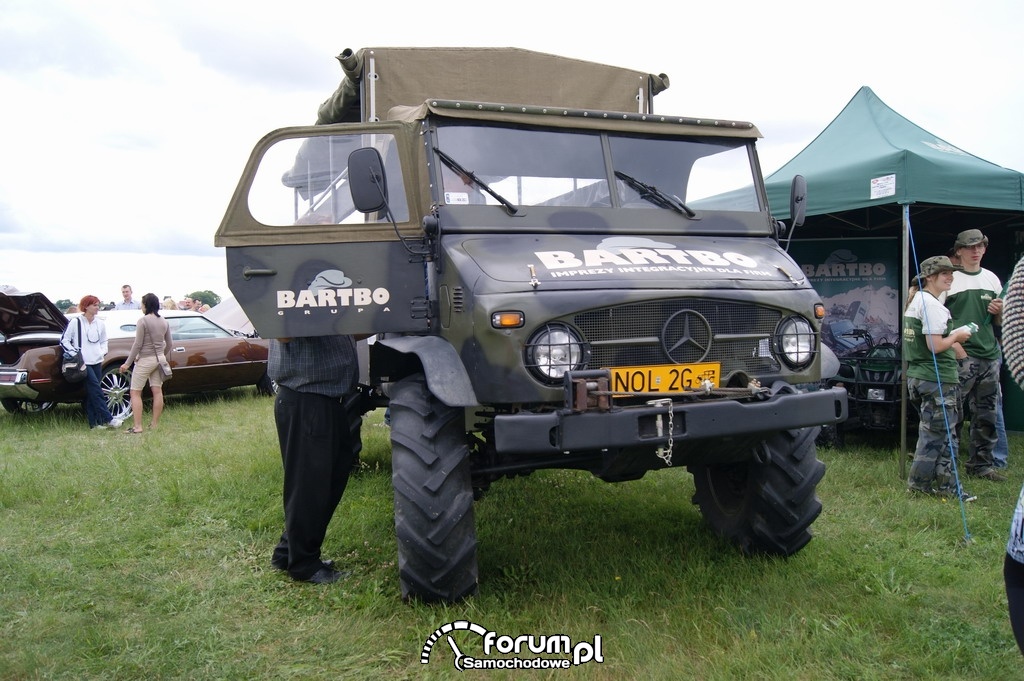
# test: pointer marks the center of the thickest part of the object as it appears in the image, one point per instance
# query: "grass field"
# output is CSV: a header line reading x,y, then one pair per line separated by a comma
x,y
131,557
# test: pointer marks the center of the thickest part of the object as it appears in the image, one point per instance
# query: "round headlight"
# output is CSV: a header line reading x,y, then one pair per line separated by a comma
x,y
795,342
553,350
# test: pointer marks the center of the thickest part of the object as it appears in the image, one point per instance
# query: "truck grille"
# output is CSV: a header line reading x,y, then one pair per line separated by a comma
x,y
682,331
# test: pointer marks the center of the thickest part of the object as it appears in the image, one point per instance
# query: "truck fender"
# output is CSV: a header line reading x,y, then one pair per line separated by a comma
x,y
829,362
446,376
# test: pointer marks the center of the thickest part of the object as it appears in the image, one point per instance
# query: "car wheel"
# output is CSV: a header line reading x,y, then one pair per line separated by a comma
x,y
25,406
116,388
266,386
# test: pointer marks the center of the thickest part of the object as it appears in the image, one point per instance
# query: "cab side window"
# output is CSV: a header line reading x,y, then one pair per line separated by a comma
x,y
304,181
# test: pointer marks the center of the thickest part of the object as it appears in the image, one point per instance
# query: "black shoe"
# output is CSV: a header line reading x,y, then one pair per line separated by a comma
x,y
990,474
326,575
964,496
943,494
282,563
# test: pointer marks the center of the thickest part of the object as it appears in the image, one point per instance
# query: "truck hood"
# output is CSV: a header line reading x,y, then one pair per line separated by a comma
x,y
631,261
22,313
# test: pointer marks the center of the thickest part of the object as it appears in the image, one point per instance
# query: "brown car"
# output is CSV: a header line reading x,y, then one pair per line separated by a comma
x,y
204,356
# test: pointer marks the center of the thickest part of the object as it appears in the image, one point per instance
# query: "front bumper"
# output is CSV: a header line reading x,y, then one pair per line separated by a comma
x,y
568,431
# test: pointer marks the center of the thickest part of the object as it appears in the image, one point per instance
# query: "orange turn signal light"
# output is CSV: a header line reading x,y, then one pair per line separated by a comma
x,y
510,319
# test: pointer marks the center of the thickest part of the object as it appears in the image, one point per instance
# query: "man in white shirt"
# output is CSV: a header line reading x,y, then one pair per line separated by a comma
x,y
127,303
974,297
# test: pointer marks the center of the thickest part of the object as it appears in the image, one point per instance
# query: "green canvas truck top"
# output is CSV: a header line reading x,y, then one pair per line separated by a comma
x,y
378,79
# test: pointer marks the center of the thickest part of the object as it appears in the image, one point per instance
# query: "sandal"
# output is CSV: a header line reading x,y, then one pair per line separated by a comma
x,y
132,431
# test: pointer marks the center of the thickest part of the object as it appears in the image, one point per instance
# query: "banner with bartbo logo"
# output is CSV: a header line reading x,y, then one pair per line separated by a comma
x,y
481,648
858,281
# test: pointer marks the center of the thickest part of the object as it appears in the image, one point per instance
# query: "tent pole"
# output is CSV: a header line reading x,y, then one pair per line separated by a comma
x,y
905,283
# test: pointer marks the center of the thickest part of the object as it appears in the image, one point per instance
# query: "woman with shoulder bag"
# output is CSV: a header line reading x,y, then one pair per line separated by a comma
x,y
92,341
932,381
151,355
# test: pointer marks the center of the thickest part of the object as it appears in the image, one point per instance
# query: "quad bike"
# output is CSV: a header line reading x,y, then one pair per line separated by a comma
x,y
872,377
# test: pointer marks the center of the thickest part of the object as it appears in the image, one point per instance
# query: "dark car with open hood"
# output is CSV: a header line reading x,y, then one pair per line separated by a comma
x,y
204,356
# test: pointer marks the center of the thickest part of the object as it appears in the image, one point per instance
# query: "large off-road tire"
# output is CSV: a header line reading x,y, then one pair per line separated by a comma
x,y
434,517
767,504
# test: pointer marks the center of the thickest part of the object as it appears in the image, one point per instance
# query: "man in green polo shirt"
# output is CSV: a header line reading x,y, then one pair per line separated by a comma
x,y
974,297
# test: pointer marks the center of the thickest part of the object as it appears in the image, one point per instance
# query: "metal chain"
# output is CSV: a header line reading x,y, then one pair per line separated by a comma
x,y
665,453
671,442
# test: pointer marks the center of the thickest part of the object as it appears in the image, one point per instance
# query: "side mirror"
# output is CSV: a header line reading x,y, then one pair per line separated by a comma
x,y
798,200
367,181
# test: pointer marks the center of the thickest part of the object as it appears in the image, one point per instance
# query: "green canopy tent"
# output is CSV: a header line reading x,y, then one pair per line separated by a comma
x,y
873,173
870,157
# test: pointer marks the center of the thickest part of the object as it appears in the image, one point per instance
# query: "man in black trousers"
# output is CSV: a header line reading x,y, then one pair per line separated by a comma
x,y
319,437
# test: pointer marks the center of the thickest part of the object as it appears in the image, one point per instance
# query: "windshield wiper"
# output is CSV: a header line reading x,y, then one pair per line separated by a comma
x,y
656,196
469,175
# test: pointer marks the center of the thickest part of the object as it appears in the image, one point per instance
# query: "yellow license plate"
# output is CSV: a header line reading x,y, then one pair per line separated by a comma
x,y
671,378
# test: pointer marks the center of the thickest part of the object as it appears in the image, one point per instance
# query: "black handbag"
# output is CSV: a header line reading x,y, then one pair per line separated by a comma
x,y
73,367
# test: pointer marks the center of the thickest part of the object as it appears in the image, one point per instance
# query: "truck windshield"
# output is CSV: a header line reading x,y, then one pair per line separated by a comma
x,y
561,168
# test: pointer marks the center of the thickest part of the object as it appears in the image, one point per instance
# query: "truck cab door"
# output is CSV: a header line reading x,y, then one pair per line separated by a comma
x,y
302,259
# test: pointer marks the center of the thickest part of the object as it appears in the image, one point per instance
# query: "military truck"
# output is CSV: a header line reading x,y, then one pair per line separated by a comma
x,y
555,277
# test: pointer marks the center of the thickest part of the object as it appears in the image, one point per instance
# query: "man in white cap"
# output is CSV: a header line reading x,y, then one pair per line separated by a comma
x,y
974,298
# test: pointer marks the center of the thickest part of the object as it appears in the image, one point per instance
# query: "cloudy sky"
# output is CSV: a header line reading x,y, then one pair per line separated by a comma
x,y
126,123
